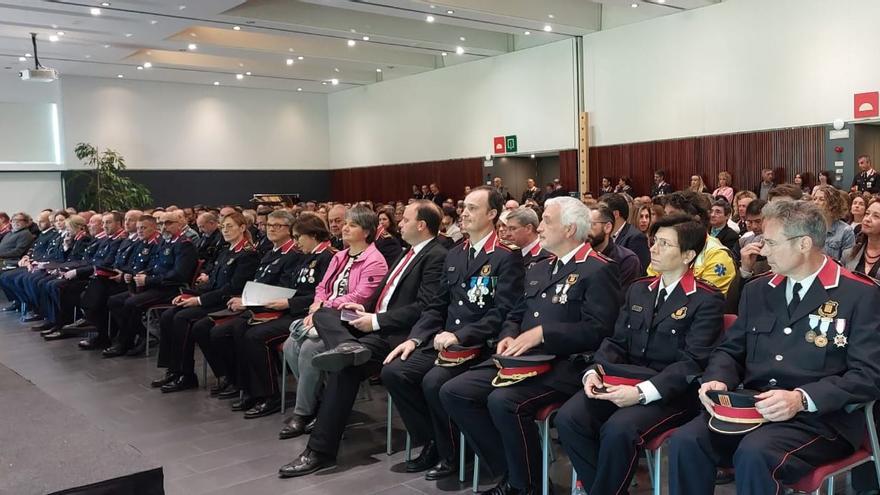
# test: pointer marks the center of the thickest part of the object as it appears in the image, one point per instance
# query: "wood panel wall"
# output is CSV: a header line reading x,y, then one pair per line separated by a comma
x,y
743,155
394,182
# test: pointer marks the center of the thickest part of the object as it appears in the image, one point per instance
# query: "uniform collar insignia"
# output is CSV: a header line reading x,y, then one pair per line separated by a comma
x,y
320,248
287,246
583,253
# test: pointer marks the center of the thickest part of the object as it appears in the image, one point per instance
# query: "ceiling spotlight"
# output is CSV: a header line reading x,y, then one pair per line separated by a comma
x,y
105,4
433,6
28,55
661,1
443,54
634,5
120,76
430,18
140,67
299,89
365,38
192,46
450,12
60,33
147,65
128,35
53,38
239,76
352,42
334,81
289,61
106,46
551,16
154,22
527,33
336,69
323,83
548,28
462,38
95,11
300,57
236,28
22,59
247,73
88,56
459,50
54,26
378,70
216,83
290,50
181,7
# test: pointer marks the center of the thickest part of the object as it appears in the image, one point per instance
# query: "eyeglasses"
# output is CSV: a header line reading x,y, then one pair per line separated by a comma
x,y
663,243
277,225
770,243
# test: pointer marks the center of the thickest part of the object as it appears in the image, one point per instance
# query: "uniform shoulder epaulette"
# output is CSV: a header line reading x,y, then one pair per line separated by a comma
x,y
601,257
647,279
764,277
859,277
705,284
503,247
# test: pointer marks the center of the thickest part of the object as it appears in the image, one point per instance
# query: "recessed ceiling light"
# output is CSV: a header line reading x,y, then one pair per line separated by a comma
x,y
352,42
154,22
147,65
378,70
334,81
462,38
216,83
120,76
459,50
140,67
532,156
88,56
105,4
22,59
247,73
365,38
299,89
323,83
433,6
28,55
290,50
193,35
181,7
353,30
548,28
527,33
106,46
53,38
336,69
128,35
95,11
443,54
54,26
60,33
289,61
450,12
240,64
661,1
300,57
236,28
634,5
430,18
192,46
239,76
551,16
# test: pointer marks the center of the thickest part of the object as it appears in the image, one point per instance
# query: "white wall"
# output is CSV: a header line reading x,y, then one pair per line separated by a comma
x,y
456,111
735,66
30,191
157,125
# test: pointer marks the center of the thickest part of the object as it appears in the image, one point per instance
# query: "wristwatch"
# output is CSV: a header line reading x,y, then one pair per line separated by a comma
x,y
804,401
642,399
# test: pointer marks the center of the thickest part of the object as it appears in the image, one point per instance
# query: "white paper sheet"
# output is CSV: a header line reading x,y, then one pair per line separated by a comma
x,y
257,294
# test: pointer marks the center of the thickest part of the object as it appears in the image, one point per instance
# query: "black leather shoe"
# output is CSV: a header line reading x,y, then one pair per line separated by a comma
x,y
30,316
443,469
93,343
264,408
57,335
342,356
310,426
180,383
47,331
11,308
137,350
78,324
306,463
222,385
168,378
231,392
426,459
503,488
294,427
724,476
46,325
243,404
114,351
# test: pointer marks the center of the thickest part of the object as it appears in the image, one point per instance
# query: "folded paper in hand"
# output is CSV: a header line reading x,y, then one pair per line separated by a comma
x,y
257,294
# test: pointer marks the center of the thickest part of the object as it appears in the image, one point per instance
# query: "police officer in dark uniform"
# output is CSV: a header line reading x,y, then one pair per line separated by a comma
x,y
522,229
639,386
483,283
806,340
569,306
243,351
40,252
868,179
235,265
108,280
210,240
171,266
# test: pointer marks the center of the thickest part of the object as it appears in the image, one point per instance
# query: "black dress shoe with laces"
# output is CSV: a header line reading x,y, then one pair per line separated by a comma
x,y
180,383
231,392
168,378
243,404
93,344
443,469
342,356
45,325
222,385
294,427
264,407
114,351
57,334
306,463
426,459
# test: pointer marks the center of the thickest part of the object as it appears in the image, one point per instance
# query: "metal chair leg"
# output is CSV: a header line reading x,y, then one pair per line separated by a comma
x,y
476,484
545,457
831,485
461,454
388,428
655,472
574,481
205,370
407,456
283,379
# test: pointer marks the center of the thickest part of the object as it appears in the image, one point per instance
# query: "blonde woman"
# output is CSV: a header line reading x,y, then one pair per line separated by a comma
x,y
724,189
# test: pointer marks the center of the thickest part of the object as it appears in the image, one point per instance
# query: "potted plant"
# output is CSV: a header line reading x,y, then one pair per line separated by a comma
x,y
105,187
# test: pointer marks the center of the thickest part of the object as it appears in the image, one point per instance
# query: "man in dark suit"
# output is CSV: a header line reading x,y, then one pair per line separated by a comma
x,y
660,187
628,263
806,340
483,282
358,345
718,228
639,385
210,240
532,192
569,306
624,234
522,228
436,196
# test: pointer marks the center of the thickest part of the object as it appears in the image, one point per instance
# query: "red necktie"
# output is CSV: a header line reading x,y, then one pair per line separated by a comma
x,y
393,277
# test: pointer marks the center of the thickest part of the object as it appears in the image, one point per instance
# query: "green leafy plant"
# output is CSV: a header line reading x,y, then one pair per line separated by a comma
x,y
105,187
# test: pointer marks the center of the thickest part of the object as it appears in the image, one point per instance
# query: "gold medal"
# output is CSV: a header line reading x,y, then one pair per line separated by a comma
x,y
821,341
810,336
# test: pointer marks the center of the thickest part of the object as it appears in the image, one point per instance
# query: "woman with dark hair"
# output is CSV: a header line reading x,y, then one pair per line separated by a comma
x,y
352,277
624,186
450,233
857,206
388,240
800,180
825,179
864,256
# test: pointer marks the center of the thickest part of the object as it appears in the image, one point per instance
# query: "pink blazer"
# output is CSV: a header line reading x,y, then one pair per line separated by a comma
x,y
366,274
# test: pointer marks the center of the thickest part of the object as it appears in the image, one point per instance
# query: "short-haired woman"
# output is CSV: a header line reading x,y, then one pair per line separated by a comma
x,y
724,187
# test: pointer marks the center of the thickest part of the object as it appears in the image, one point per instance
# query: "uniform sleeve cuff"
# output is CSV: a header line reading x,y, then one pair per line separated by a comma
x,y
588,373
811,406
375,319
650,391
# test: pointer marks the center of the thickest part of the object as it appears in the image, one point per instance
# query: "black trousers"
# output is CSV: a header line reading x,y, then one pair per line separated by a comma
x,y
414,386
341,388
499,423
256,355
94,302
177,344
603,441
765,459
127,310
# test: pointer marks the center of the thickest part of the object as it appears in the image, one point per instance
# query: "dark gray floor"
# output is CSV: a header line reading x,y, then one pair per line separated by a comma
x,y
204,447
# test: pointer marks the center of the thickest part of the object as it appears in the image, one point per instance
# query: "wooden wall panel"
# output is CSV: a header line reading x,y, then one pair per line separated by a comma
x,y
394,182
568,170
786,151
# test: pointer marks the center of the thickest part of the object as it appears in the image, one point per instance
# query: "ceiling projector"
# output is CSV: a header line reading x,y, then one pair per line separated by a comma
x,y
38,73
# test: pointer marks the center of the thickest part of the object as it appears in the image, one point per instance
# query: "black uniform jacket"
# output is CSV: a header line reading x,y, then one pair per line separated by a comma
x,y
208,248
766,349
103,255
676,342
172,263
309,273
534,256
234,266
476,295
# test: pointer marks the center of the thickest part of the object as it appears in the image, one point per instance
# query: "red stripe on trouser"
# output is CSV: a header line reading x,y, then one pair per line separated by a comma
x,y
523,432
785,457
